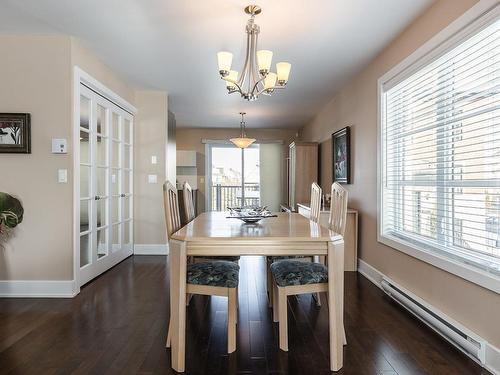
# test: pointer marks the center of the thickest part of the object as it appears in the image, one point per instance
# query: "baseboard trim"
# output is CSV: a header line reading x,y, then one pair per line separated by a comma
x,y
492,359
150,249
38,288
492,355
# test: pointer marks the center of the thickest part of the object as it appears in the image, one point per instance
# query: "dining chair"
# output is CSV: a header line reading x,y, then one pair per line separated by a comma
x,y
314,216
211,278
187,193
292,277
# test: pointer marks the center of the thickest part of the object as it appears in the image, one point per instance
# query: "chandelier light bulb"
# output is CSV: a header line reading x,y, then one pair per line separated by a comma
x,y
230,79
224,60
270,82
264,59
283,70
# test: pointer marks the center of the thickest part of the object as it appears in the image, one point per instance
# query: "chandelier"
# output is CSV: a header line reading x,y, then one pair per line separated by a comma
x,y
242,141
256,77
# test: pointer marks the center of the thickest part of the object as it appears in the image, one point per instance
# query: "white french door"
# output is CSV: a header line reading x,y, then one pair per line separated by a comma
x,y
105,184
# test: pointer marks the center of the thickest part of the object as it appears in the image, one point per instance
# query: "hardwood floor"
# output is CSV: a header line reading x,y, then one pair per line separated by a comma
x,y
118,325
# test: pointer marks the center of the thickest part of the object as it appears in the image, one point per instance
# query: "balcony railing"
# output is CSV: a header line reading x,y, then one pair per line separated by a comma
x,y
231,196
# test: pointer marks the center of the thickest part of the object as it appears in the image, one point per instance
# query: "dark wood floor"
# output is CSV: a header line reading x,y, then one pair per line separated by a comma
x,y
117,325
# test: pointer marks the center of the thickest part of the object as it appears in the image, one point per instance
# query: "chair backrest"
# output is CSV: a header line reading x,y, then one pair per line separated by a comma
x,y
315,202
188,202
171,204
338,208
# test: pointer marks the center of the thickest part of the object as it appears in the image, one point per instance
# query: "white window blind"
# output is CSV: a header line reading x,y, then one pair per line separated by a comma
x,y
440,153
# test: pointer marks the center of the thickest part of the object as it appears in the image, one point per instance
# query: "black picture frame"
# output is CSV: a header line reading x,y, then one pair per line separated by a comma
x,y
16,128
341,156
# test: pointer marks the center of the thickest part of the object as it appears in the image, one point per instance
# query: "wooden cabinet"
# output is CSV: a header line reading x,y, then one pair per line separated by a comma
x,y
302,171
350,236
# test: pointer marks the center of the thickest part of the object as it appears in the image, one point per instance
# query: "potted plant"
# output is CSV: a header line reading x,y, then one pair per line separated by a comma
x,y
11,213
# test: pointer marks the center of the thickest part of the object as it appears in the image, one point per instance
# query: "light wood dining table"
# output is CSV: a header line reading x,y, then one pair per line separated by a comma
x,y
212,234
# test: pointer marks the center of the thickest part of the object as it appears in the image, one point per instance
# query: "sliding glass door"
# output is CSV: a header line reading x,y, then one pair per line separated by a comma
x,y
233,176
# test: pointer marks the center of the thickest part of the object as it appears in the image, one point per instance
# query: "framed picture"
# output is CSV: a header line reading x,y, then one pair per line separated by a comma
x,y
341,151
15,133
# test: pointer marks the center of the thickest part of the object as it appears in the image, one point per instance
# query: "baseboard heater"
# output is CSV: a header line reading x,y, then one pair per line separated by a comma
x,y
452,331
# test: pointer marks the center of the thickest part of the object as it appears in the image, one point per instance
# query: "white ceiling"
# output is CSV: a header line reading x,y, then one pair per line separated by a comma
x,y
172,44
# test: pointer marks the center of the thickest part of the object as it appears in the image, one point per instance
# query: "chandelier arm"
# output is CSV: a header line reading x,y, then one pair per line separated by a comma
x,y
255,74
256,84
243,75
248,85
236,83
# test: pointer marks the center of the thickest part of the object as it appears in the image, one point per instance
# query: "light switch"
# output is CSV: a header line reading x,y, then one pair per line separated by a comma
x,y
62,176
59,146
154,159
152,179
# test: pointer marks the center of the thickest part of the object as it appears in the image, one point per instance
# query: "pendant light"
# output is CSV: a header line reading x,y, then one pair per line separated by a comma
x,y
242,141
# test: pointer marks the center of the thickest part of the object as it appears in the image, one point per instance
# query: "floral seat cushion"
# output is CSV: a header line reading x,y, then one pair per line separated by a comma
x,y
214,273
295,272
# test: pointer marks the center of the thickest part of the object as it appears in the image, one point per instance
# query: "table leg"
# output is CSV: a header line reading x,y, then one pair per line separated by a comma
x,y
335,302
178,303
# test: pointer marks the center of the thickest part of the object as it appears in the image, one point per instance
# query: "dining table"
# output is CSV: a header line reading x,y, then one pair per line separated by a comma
x,y
287,234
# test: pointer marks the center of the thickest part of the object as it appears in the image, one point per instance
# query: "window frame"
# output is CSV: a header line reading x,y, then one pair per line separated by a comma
x,y
476,18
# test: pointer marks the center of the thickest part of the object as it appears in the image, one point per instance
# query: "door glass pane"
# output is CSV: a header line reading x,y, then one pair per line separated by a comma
x,y
116,154
127,157
226,178
84,250
101,188
127,231
84,147
84,215
115,182
115,213
126,208
127,129
127,182
84,181
102,243
115,238
252,175
102,151
101,212
102,126
84,112
116,126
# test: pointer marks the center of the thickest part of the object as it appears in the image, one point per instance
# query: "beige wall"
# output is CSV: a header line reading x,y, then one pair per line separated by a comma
x,y
35,78
356,105
190,139
87,61
150,136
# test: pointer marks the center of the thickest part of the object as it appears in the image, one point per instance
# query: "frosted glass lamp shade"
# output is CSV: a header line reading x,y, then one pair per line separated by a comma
x,y
264,59
283,70
232,76
270,81
242,142
224,60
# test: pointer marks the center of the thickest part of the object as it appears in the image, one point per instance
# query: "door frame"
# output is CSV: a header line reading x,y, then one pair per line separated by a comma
x,y
81,77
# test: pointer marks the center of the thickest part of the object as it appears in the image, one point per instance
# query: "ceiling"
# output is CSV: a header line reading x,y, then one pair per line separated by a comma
x,y
172,44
